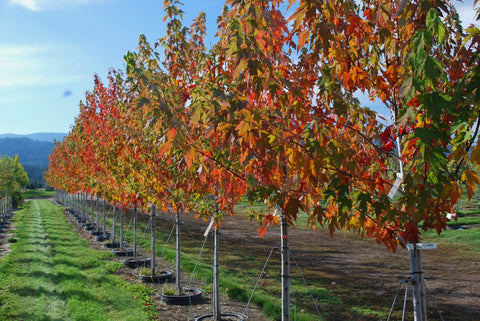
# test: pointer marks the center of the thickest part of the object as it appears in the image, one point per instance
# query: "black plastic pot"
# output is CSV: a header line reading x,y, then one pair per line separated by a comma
x,y
123,252
112,245
136,262
87,226
101,238
161,277
230,315
190,296
95,233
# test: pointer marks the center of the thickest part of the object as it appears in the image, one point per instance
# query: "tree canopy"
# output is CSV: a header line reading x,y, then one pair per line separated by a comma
x,y
12,178
270,113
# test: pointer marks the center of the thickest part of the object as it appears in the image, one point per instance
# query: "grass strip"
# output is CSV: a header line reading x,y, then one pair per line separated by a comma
x,y
38,193
239,271
51,274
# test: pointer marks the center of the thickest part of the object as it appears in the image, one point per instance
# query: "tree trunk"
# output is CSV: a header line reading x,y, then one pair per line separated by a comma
x,y
135,232
114,221
104,221
121,228
91,209
152,263
285,270
416,276
178,254
83,204
216,273
97,222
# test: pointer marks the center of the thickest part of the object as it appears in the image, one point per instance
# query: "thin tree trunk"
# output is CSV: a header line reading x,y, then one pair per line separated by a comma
x,y
178,255
152,263
104,223
216,273
417,282
285,270
91,210
121,228
97,223
114,221
135,232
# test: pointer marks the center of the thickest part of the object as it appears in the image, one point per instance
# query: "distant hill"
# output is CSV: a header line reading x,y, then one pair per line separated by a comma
x,y
43,137
33,154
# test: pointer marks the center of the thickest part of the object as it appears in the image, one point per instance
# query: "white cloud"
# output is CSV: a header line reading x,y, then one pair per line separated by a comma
x,y
45,5
25,65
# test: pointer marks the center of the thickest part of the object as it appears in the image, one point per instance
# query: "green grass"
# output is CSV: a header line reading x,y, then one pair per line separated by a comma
x,y
238,282
38,193
467,240
233,281
51,274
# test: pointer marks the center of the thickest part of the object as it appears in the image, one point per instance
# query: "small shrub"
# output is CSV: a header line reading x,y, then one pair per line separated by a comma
x,y
113,266
169,289
145,271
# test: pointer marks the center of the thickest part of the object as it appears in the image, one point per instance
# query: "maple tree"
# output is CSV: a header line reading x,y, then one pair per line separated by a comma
x,y
271,113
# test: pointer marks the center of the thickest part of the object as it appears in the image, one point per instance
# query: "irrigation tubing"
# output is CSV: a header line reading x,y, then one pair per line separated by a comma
x,y
128,228
306,285
405,302
434,303
198,259
245,312
395,299
147,227
190,232
168,240
236,260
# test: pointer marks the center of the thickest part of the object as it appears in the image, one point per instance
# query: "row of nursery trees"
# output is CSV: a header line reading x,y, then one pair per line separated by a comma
x,y
270,113
12,178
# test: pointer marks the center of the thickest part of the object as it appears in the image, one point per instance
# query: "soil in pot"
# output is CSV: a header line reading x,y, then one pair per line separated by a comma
x,y
87,226
136,262
189,296
101,238
225,316
95,233
159,277
123,252
112,245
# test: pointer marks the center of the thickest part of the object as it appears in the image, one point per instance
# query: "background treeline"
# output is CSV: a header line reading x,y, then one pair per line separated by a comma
x,y
33,155
12,179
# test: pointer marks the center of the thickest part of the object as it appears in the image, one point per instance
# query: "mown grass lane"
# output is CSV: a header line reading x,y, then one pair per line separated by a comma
x,y
51,274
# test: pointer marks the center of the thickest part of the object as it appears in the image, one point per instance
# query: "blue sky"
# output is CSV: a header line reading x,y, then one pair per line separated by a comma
x,y
50,49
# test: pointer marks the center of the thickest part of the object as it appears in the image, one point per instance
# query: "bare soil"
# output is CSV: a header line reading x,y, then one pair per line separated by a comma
x,y
357,272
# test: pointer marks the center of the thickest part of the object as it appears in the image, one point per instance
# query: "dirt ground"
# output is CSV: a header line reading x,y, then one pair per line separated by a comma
x,y
359,272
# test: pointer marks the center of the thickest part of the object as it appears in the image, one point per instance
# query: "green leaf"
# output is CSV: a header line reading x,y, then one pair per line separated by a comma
x,y
435,24
426,135
407,88
432,69
363,200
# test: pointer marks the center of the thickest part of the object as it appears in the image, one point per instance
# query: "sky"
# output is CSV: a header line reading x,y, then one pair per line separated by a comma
x,y
50,50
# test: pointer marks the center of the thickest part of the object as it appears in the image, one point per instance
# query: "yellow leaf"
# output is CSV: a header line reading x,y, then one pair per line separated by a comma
x,y
471,179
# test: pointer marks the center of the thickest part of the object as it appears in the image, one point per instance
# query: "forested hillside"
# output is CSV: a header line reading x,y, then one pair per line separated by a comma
x,y
33,156
44,137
